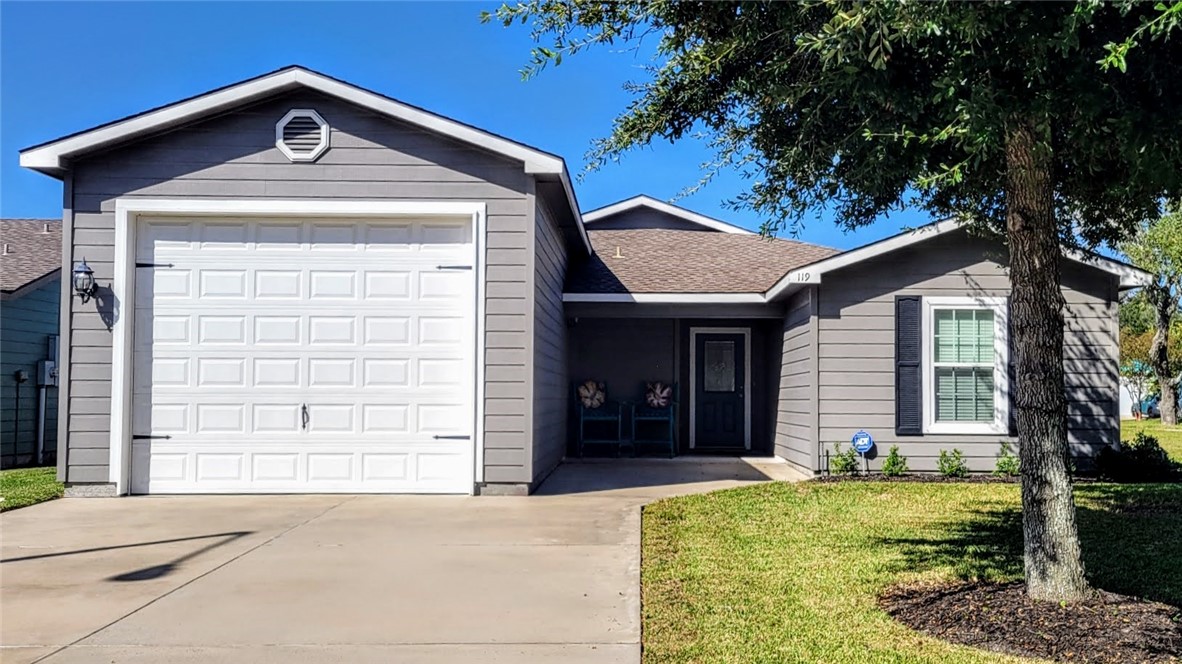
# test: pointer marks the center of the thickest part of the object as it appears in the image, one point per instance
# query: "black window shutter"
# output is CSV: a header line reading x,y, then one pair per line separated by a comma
x,y
908,366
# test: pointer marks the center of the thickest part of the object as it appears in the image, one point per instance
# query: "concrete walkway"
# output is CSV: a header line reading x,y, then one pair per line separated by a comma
x,y
355,579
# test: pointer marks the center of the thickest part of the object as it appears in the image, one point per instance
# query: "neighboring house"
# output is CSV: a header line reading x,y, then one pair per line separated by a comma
x,y
30,301
309,287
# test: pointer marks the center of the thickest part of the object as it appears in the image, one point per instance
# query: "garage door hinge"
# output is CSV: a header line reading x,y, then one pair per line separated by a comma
x,y
453,267
153,265
141,437
438,437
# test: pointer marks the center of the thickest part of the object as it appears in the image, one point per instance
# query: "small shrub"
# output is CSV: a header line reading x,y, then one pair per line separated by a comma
x,y
1007,462
1141,459
894,464
951,464
843,463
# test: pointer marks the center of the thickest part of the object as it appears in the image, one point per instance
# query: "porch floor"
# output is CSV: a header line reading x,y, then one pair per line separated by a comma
x,y
659,478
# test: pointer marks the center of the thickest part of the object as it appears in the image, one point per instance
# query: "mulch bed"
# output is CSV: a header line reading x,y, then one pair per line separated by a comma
x,y
999,617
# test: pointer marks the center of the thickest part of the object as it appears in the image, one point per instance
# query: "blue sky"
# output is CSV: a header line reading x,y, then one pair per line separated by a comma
x,y
69,66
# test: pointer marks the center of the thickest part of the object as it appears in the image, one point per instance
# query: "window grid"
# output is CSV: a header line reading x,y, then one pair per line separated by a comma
x,y
963,361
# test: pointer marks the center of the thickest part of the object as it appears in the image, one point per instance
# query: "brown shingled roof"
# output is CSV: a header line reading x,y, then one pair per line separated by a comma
x,y
32,248
655,260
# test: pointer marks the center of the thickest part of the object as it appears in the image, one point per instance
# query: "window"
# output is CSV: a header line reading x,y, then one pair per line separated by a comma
x,y
966,365
719,372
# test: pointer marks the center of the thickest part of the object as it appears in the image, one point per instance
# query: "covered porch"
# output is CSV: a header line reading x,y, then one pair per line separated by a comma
x,y
722,363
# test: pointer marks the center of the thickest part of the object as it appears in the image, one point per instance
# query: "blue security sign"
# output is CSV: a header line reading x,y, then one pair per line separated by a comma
x,y
862,442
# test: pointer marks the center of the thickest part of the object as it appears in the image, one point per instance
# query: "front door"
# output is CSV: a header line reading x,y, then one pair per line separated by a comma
x,y
720,400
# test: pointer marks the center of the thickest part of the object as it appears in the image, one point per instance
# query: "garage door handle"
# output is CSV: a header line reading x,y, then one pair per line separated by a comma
x,y
143,437
304,416
438,437
453,267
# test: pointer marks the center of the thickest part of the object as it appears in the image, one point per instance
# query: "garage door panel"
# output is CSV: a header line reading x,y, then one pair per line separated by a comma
x,y
444,237
332,284
275,418
221,329
303,356
387,285
219,418
316,469
222,284
285,285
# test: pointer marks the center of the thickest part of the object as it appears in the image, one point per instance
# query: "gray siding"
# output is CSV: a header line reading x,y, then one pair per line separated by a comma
x,y
624,354
550,398
796,422
856,346
643,217
26,323
372,157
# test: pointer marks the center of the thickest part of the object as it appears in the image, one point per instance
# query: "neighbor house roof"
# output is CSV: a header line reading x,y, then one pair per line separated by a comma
x,y
642,201
53,157
666,261
31,251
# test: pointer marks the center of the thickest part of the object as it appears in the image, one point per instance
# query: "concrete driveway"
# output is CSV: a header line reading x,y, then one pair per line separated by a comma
x,y
352,579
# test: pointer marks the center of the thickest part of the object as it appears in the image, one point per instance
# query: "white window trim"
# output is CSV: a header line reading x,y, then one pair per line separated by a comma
x,y
312,115
1001,362
127,214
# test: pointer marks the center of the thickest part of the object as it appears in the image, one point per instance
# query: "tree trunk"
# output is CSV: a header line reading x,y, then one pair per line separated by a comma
x,y
1163,307
1054,568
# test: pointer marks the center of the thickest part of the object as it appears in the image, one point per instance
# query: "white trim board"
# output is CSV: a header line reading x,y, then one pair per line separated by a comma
x,y
693,379
1130,276
667,298
127,213
661,206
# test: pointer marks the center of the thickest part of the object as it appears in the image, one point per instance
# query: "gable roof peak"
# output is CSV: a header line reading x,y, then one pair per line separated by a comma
x,y
52,157
646,201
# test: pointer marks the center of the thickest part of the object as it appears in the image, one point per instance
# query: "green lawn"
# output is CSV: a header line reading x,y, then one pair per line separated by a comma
x,y
783,572
1169,437
28,486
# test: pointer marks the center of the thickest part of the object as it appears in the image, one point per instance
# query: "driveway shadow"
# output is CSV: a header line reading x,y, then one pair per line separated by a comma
x,y
153,571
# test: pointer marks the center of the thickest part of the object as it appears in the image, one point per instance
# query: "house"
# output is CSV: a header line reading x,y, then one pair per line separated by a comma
x,y
305,286
30,298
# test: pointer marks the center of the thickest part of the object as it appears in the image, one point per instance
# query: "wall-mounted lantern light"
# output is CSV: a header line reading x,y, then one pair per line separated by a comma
x,y
84,284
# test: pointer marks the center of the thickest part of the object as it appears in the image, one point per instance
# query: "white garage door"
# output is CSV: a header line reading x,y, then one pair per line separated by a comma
x,y
303,356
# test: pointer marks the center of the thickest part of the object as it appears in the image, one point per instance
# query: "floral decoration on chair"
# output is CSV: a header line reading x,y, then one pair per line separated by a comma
x,y
658,394
591,394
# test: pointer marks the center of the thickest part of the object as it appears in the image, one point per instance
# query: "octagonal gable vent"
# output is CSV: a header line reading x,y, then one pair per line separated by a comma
x,y
302,135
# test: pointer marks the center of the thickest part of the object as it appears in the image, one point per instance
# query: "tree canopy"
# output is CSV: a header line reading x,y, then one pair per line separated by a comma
x,y
864,108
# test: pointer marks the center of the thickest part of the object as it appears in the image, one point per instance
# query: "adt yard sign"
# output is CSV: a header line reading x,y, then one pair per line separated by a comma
x,y
862,442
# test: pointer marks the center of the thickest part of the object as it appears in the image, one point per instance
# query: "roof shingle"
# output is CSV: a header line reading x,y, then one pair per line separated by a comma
x,y
655,260
32,248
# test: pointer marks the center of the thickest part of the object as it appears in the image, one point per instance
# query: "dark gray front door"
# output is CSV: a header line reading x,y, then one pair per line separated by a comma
x,y
719,401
